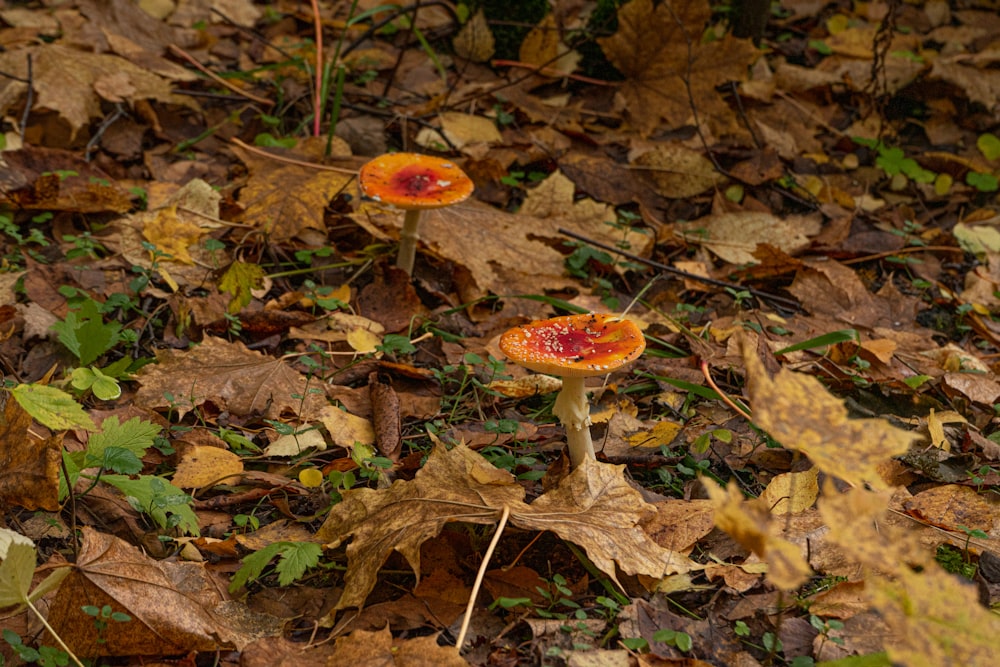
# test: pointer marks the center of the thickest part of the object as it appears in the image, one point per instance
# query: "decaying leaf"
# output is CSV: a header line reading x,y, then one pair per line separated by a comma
x,y
230,375
593,507
29,466
660,51
750,523
186,616
802,415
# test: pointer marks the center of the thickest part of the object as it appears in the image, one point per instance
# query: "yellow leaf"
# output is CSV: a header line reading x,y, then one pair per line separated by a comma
x,y
792,492
204,465
346,429
750,523
797,411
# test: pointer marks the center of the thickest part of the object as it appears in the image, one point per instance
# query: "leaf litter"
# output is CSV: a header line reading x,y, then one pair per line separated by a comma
x,y
221,390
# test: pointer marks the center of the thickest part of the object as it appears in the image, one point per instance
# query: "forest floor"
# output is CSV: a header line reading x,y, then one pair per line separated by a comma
x,y
235,432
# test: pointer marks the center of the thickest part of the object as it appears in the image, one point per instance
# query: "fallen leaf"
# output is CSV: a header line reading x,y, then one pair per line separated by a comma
x,y
186,616
750,523
29,466
203,466
734,237
659,50
593,507
231,376
285,200
475,41
791,492
798,411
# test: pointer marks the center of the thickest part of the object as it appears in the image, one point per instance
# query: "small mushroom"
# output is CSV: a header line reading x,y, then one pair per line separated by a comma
x,y
413,182
574,348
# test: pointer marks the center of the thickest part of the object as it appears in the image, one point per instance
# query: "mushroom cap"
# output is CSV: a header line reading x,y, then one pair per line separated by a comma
x,y
574,345
413,181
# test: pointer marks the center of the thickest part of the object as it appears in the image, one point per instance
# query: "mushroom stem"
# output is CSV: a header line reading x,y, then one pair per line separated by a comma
x,y
408,241
573,411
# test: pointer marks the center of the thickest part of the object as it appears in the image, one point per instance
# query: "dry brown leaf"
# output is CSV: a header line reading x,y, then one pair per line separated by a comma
x,y
456,485
543,47
953,507
750,523
593,507
679,524
475,40
660,51
734,237
29,466
66,80
502,253
283,199
597,509
678,171
176,228
185,617
556,196
798,411
233,377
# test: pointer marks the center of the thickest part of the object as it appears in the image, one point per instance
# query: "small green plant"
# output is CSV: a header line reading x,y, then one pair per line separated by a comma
x,y
116,453
85,333
294,558
102,618
46,656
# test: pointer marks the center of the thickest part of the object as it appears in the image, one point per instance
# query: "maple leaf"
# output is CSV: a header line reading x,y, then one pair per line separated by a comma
x,y
934,618
801,414
749,523
593,507
286,198
660,52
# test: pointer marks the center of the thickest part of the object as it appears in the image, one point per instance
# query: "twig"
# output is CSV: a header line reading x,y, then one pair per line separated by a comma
x,y
108,122
703,364
480,575
553,73
317,99
288,160
178,51
30,99
767,296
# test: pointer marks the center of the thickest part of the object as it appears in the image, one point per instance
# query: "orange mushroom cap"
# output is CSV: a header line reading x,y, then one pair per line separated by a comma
x,y
413,181
574,345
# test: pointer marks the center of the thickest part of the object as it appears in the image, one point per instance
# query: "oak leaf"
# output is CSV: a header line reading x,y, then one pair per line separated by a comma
x,y
660,51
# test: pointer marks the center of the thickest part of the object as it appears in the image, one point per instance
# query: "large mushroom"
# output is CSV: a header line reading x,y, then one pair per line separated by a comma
x,y
574,348
413,182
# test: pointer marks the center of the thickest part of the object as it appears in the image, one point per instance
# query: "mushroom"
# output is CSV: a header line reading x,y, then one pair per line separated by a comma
x,y
574,348
413,182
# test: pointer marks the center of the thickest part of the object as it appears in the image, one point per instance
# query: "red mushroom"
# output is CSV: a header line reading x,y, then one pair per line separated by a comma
x,y
413,182
574,348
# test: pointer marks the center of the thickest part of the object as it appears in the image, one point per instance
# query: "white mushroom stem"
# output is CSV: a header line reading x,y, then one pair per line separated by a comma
x,y
408,241
573,411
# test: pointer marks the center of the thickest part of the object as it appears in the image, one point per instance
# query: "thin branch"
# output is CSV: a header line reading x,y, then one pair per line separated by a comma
x,y
761,294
